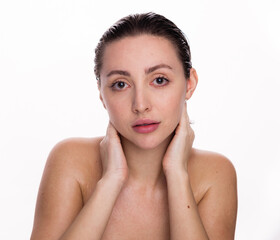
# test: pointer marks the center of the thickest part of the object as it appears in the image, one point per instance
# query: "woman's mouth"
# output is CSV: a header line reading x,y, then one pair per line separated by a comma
x,y
145,126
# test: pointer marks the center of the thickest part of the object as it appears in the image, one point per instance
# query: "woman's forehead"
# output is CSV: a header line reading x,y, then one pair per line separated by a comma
x,y
142,51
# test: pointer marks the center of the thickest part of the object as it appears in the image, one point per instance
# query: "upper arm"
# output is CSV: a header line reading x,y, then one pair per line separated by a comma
x,y
59,198
218,208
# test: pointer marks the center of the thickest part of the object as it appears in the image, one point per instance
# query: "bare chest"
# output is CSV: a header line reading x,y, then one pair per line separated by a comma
x,y
136,218
137,215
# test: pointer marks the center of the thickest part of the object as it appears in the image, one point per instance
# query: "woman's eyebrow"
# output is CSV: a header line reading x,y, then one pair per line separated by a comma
x,y
118,72
154,68
147,71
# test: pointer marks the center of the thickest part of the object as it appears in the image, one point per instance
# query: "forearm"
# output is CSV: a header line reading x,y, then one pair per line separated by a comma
x,y
185,222
93,218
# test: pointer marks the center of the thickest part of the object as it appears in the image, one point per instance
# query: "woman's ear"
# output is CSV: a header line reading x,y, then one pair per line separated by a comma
x,y
191,83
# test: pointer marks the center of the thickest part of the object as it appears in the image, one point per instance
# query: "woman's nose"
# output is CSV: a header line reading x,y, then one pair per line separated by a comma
x,y
141,101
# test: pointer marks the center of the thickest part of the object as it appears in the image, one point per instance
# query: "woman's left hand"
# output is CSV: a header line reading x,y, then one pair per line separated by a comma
x,y
179,149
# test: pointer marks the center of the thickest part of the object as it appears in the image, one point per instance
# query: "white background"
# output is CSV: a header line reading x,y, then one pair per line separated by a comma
x,y
48,93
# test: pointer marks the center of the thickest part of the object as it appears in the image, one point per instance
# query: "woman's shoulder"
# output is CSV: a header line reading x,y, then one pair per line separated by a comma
x,y
71,149
76,150
210,170
215,184
78,156
71,170
211,161
78,144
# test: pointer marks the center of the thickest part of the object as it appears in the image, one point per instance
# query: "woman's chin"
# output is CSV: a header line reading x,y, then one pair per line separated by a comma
x,y
147,143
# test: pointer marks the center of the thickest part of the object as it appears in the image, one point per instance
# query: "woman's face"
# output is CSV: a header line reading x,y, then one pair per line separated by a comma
x,y
143,88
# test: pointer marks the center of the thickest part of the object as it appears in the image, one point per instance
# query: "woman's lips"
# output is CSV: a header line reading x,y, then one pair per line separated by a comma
x,y
145,126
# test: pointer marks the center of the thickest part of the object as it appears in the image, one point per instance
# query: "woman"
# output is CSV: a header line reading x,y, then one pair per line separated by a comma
x,y
143,180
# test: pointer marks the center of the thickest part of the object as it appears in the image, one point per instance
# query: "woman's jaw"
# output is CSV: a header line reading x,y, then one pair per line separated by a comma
x,y
146,144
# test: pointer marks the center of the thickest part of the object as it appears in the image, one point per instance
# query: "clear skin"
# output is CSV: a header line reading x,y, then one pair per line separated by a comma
x,y
126,184
142,97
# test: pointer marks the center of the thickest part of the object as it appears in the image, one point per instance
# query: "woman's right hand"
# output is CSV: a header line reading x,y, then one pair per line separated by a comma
x,y
113,159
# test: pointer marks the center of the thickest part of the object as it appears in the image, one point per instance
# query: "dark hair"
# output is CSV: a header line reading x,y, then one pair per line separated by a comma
x,y
146,23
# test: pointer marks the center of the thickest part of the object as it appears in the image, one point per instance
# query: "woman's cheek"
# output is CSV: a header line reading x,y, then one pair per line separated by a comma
x,y
113,115
117,117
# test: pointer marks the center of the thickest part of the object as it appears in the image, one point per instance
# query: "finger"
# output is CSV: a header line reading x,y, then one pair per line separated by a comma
x,y
111,130
184,121
187,119
184,125
188,124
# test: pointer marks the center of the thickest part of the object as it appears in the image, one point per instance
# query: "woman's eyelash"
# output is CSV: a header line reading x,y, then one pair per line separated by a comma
x,y
120,83
158,81
162,80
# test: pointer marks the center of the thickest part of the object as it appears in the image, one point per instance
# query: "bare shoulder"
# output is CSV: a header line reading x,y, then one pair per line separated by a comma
x,y
72,166
214,177
210,171
77,145
214,166
80,160
78,155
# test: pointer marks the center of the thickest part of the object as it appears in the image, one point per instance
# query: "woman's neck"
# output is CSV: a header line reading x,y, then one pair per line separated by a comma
x,y
145,165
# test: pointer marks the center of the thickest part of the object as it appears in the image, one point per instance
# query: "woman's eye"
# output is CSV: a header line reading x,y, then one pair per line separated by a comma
x,y
119,85
160,81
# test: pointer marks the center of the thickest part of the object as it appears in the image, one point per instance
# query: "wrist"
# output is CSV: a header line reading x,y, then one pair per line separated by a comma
x,y
119,176
176,174
174,169
113,179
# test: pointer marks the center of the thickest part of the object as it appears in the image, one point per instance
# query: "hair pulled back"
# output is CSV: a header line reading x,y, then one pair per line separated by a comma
x,y
146,23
